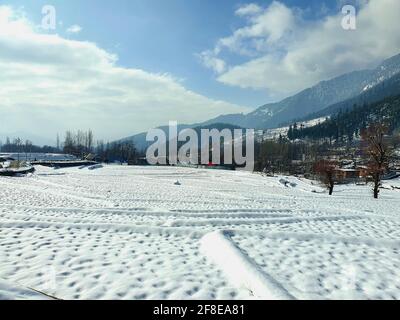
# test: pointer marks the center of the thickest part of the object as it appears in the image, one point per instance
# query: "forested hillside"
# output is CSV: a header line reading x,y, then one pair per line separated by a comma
x,y
346,125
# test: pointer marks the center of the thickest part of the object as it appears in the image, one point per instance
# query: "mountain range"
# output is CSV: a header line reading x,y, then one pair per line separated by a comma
x,y
317,98
376,93
323,99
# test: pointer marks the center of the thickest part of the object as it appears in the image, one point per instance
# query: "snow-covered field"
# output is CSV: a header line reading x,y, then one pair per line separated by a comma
x,y
134,233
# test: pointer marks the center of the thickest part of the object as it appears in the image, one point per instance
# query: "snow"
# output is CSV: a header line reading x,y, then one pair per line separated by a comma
x,y
15,171
11,291
122,232
367,87
275,133
95,167
240,269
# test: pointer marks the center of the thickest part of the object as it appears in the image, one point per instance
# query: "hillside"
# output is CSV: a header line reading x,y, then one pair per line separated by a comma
x,y
315,99
347,124
388,88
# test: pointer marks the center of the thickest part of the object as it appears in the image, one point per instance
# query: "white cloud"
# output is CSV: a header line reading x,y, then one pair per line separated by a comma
x,y
287,53
74,29
265,27
271,23
49,84
248,9
211,61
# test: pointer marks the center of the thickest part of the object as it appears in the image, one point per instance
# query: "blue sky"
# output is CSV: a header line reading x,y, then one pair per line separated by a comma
x,y
131,65
164,36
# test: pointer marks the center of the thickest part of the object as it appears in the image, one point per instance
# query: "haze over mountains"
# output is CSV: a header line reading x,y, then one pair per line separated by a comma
x,y
323,99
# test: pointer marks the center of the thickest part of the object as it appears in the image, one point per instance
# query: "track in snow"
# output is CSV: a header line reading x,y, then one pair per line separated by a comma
x,y
131,233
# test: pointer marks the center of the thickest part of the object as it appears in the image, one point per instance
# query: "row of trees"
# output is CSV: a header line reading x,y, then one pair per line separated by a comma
x,y
117,151
19,145
82,143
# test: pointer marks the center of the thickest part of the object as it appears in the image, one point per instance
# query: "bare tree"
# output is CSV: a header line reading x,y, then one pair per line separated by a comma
x,y
18,143
325,169
28,148
377,151
80,143
58,141
90,139
69,144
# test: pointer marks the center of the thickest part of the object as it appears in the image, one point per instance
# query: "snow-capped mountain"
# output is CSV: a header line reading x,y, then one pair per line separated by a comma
x,y
312,100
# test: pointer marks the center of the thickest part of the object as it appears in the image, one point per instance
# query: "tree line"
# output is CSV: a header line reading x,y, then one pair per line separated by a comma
x,y
82,143
18,145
